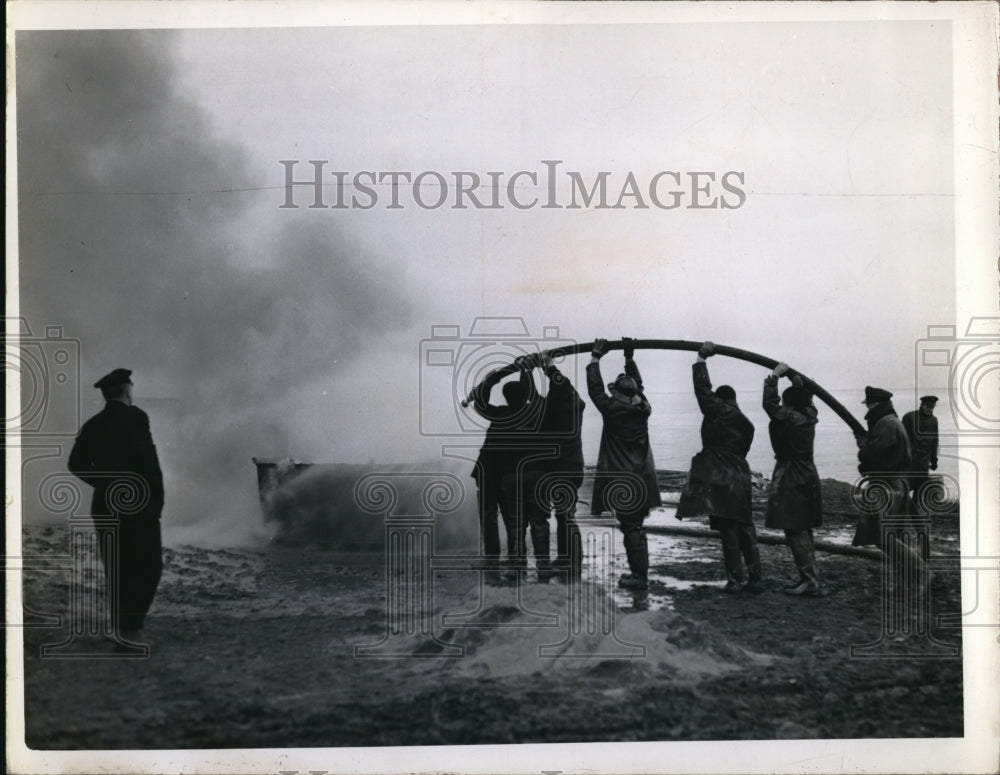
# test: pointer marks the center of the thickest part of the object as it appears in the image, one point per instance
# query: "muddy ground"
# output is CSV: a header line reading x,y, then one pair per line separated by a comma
x,y
254,649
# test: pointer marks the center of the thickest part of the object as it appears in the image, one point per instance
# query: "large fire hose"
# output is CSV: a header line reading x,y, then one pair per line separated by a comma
x,y
680,344
732,352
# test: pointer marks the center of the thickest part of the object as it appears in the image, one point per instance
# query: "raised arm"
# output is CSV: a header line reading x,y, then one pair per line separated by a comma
x,y
561,391
631,369
595,384
481,395
772,401
525,364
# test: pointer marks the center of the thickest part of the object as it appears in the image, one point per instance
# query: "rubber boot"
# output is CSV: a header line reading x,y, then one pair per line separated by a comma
x,y
732,559
560,565
568,565
809,586
751,555
517,554
805,560
799,547
493,576
637,552
540,546
575,550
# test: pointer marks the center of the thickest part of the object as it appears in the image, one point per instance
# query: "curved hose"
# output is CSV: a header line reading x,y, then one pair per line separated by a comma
x,y
732,352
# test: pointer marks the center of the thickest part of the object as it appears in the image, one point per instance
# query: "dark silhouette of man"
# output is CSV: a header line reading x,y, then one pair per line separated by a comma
x,y
495,470
921,428
719,482
794,502
884,458
115,454
625,480
553,473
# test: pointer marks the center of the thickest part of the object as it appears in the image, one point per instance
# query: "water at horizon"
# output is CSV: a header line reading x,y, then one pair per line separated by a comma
x,y
676,422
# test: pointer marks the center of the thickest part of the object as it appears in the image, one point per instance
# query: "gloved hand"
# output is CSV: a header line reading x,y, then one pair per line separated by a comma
x,y
707,350
780,370
629,349
860,438
600,348
933,465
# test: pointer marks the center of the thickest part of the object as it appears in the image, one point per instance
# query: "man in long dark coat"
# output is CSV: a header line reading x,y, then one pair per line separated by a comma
x,y
498,459
884,458
115,454
719,482
921,429
553,473
625,481
794,502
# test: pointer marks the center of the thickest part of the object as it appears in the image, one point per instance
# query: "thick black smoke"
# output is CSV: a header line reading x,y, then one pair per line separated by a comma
x,y
140,234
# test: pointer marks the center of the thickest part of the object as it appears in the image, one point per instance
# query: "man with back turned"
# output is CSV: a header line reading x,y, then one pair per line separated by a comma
x,y
552,475
625,480
496,468
115,454
794,500
719,482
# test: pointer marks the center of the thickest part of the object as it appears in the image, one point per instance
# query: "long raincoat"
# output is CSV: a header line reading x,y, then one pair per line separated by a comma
x,y
794,501
719,482
625,481
884,460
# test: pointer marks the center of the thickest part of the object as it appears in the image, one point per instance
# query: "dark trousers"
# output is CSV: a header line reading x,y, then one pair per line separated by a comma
x,y
634,539
739,539
544,495
801,544
920,481
497,495
132,555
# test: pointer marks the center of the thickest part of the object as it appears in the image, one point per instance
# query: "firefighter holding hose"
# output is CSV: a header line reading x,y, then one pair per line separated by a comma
x,y
719,482
625,481
794,501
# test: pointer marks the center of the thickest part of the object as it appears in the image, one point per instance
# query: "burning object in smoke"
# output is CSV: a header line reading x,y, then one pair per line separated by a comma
x,y
318,503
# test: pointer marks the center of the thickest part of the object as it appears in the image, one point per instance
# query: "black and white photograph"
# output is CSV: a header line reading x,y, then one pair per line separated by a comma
x,y
516,388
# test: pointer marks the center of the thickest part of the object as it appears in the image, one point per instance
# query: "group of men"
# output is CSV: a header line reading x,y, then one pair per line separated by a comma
x,y
530,439
531,462
531,467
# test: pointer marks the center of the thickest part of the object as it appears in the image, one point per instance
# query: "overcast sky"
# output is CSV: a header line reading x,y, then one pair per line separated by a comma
x,y
151,228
